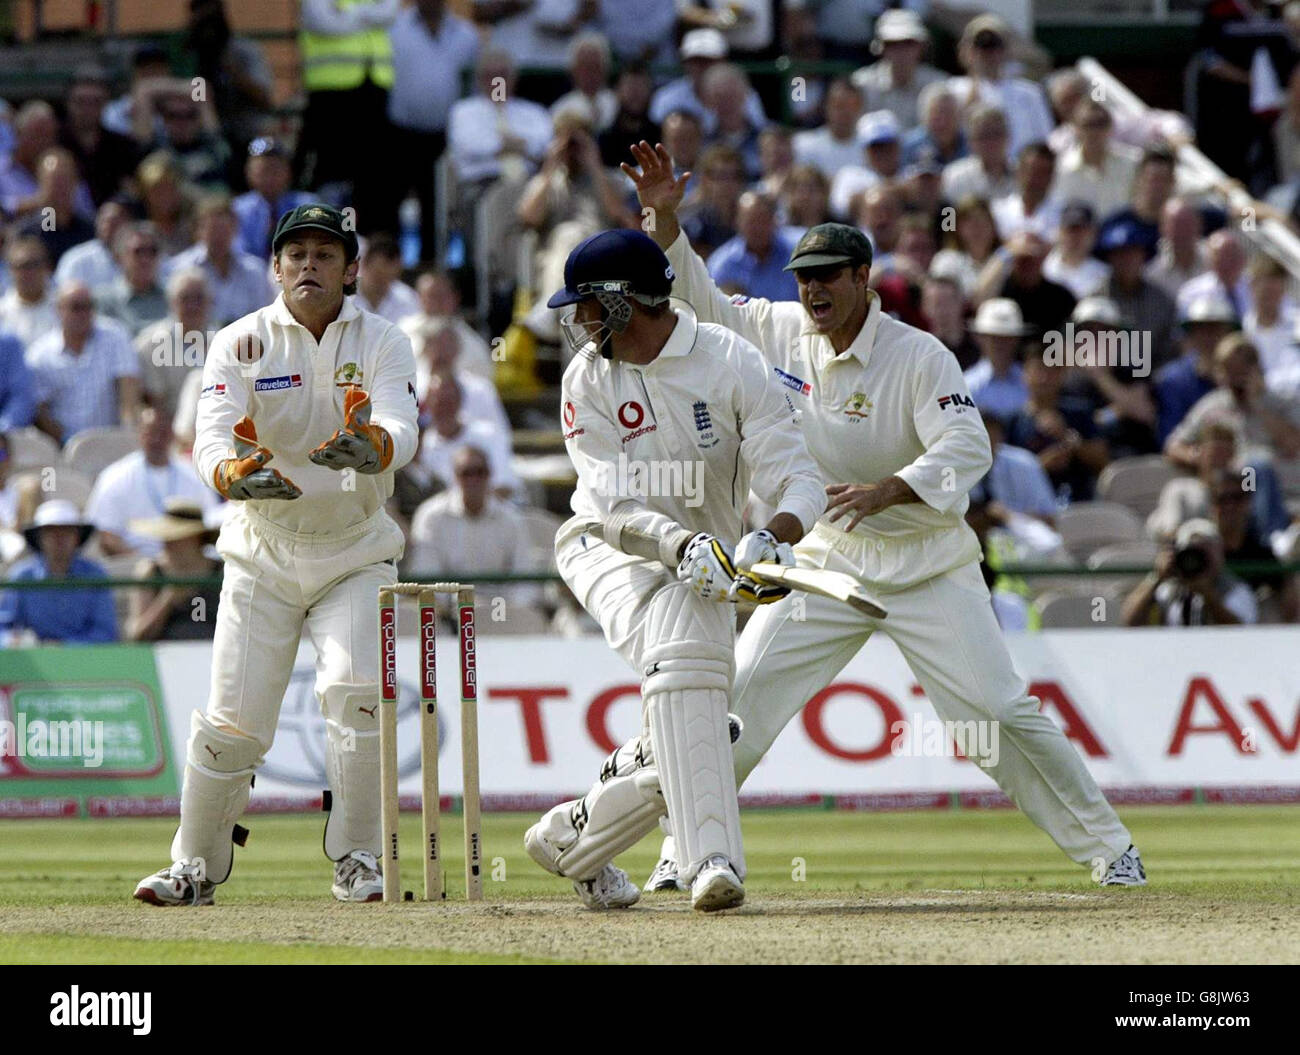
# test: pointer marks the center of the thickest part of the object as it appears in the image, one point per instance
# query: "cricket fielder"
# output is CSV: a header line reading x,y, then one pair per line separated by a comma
x,y
669,423
887,417
328,392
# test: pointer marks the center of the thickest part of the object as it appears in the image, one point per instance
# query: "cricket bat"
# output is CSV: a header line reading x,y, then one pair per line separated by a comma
x,y
833,584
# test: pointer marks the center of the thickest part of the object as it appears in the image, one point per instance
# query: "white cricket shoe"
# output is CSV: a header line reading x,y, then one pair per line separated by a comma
x,y
1127,870
665,877
357,878
610,889
180,883
716,886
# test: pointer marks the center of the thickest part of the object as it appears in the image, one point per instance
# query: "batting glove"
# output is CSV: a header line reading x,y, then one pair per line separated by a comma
x,y
244,476
358,444
754,548
708,566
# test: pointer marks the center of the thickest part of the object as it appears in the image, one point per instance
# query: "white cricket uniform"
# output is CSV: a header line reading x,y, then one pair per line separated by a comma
x,y
696,428
895,404
316,561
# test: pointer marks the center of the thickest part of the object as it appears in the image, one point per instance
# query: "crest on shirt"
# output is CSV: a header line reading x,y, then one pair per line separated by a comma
x,y
348,374
857,406
703,424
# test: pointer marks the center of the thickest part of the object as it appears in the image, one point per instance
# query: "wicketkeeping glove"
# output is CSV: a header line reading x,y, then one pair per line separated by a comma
x,y
244,476
708,566
752,549
358,444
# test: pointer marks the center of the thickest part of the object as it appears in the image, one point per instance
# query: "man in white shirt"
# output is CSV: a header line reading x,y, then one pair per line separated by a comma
x,y
437,353
467,529
983,54
450,429
174,347
589,72
1070,262
440,304
985,173
895,81
1226,274
237,281
650,392
495,134
1096,169
701,50
28,309
85,372
887,417
93,262
835,145
380,288
881,139
1033,206
138,486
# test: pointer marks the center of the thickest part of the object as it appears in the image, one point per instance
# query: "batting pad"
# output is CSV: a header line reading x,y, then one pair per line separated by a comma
x,y
352,768
686,700
612,817
218,776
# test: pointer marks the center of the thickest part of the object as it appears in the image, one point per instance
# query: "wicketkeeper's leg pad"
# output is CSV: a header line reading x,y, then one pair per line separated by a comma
x,y
219,771
352,767
686,698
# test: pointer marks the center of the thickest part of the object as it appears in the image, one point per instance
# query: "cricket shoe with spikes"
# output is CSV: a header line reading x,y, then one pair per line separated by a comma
x,y
1127,870
180,883
716,886
357,878
666,875
610,889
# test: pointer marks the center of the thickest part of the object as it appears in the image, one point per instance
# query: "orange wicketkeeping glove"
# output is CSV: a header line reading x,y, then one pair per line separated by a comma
x,y
244,476
358,444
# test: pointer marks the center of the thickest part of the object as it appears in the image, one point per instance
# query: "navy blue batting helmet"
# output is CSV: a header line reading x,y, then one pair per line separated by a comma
x,y
623,262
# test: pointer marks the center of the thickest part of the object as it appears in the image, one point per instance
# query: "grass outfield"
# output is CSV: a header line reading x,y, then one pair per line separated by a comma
x,y
943,887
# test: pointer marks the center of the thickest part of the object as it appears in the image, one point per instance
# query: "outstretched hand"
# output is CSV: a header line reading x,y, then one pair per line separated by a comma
x,y
657,188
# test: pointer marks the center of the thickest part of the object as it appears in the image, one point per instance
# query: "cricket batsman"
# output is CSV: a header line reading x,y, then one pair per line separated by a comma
x,y
326,392
889,421
650,390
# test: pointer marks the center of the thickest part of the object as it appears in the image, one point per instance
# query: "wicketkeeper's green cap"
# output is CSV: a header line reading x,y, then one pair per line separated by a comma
x,y
316,216
831,243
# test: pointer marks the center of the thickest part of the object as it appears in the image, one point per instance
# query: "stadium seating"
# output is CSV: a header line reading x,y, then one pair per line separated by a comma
x,y
92,450
1136,482
1092,609
30,448
1087,526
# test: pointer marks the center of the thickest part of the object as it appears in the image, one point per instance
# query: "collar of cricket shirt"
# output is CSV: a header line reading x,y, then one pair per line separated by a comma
x,y
681,340
862,344
281,314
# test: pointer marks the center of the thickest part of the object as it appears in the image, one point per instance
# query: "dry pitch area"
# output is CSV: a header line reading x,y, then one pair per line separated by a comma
x,y
824,887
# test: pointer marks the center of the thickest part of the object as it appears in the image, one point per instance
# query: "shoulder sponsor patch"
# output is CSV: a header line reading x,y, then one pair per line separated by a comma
x,y
739,298
798,384
956,402
212,390
277,384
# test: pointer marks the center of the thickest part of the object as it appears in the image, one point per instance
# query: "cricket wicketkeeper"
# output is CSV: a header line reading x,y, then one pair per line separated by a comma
x,y
326,392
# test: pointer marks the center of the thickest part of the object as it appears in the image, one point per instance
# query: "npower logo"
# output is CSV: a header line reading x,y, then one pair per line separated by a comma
x,y
428,653
388,638
469,665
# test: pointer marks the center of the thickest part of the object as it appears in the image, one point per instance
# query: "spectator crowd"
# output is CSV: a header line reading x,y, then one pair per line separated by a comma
x,y
1108,310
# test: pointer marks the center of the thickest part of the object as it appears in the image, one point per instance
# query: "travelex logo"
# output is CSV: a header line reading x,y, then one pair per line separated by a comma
x,y
213,390
790,381
277,384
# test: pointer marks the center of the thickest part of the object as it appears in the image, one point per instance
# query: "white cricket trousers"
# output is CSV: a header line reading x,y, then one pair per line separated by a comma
x,y
945,628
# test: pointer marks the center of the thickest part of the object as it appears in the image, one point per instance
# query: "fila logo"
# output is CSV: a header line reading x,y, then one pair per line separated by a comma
x,y
956,400
631,414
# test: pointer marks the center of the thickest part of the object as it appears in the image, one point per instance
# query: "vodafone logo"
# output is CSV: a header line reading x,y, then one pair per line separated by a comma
x,y
570,415
631,414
